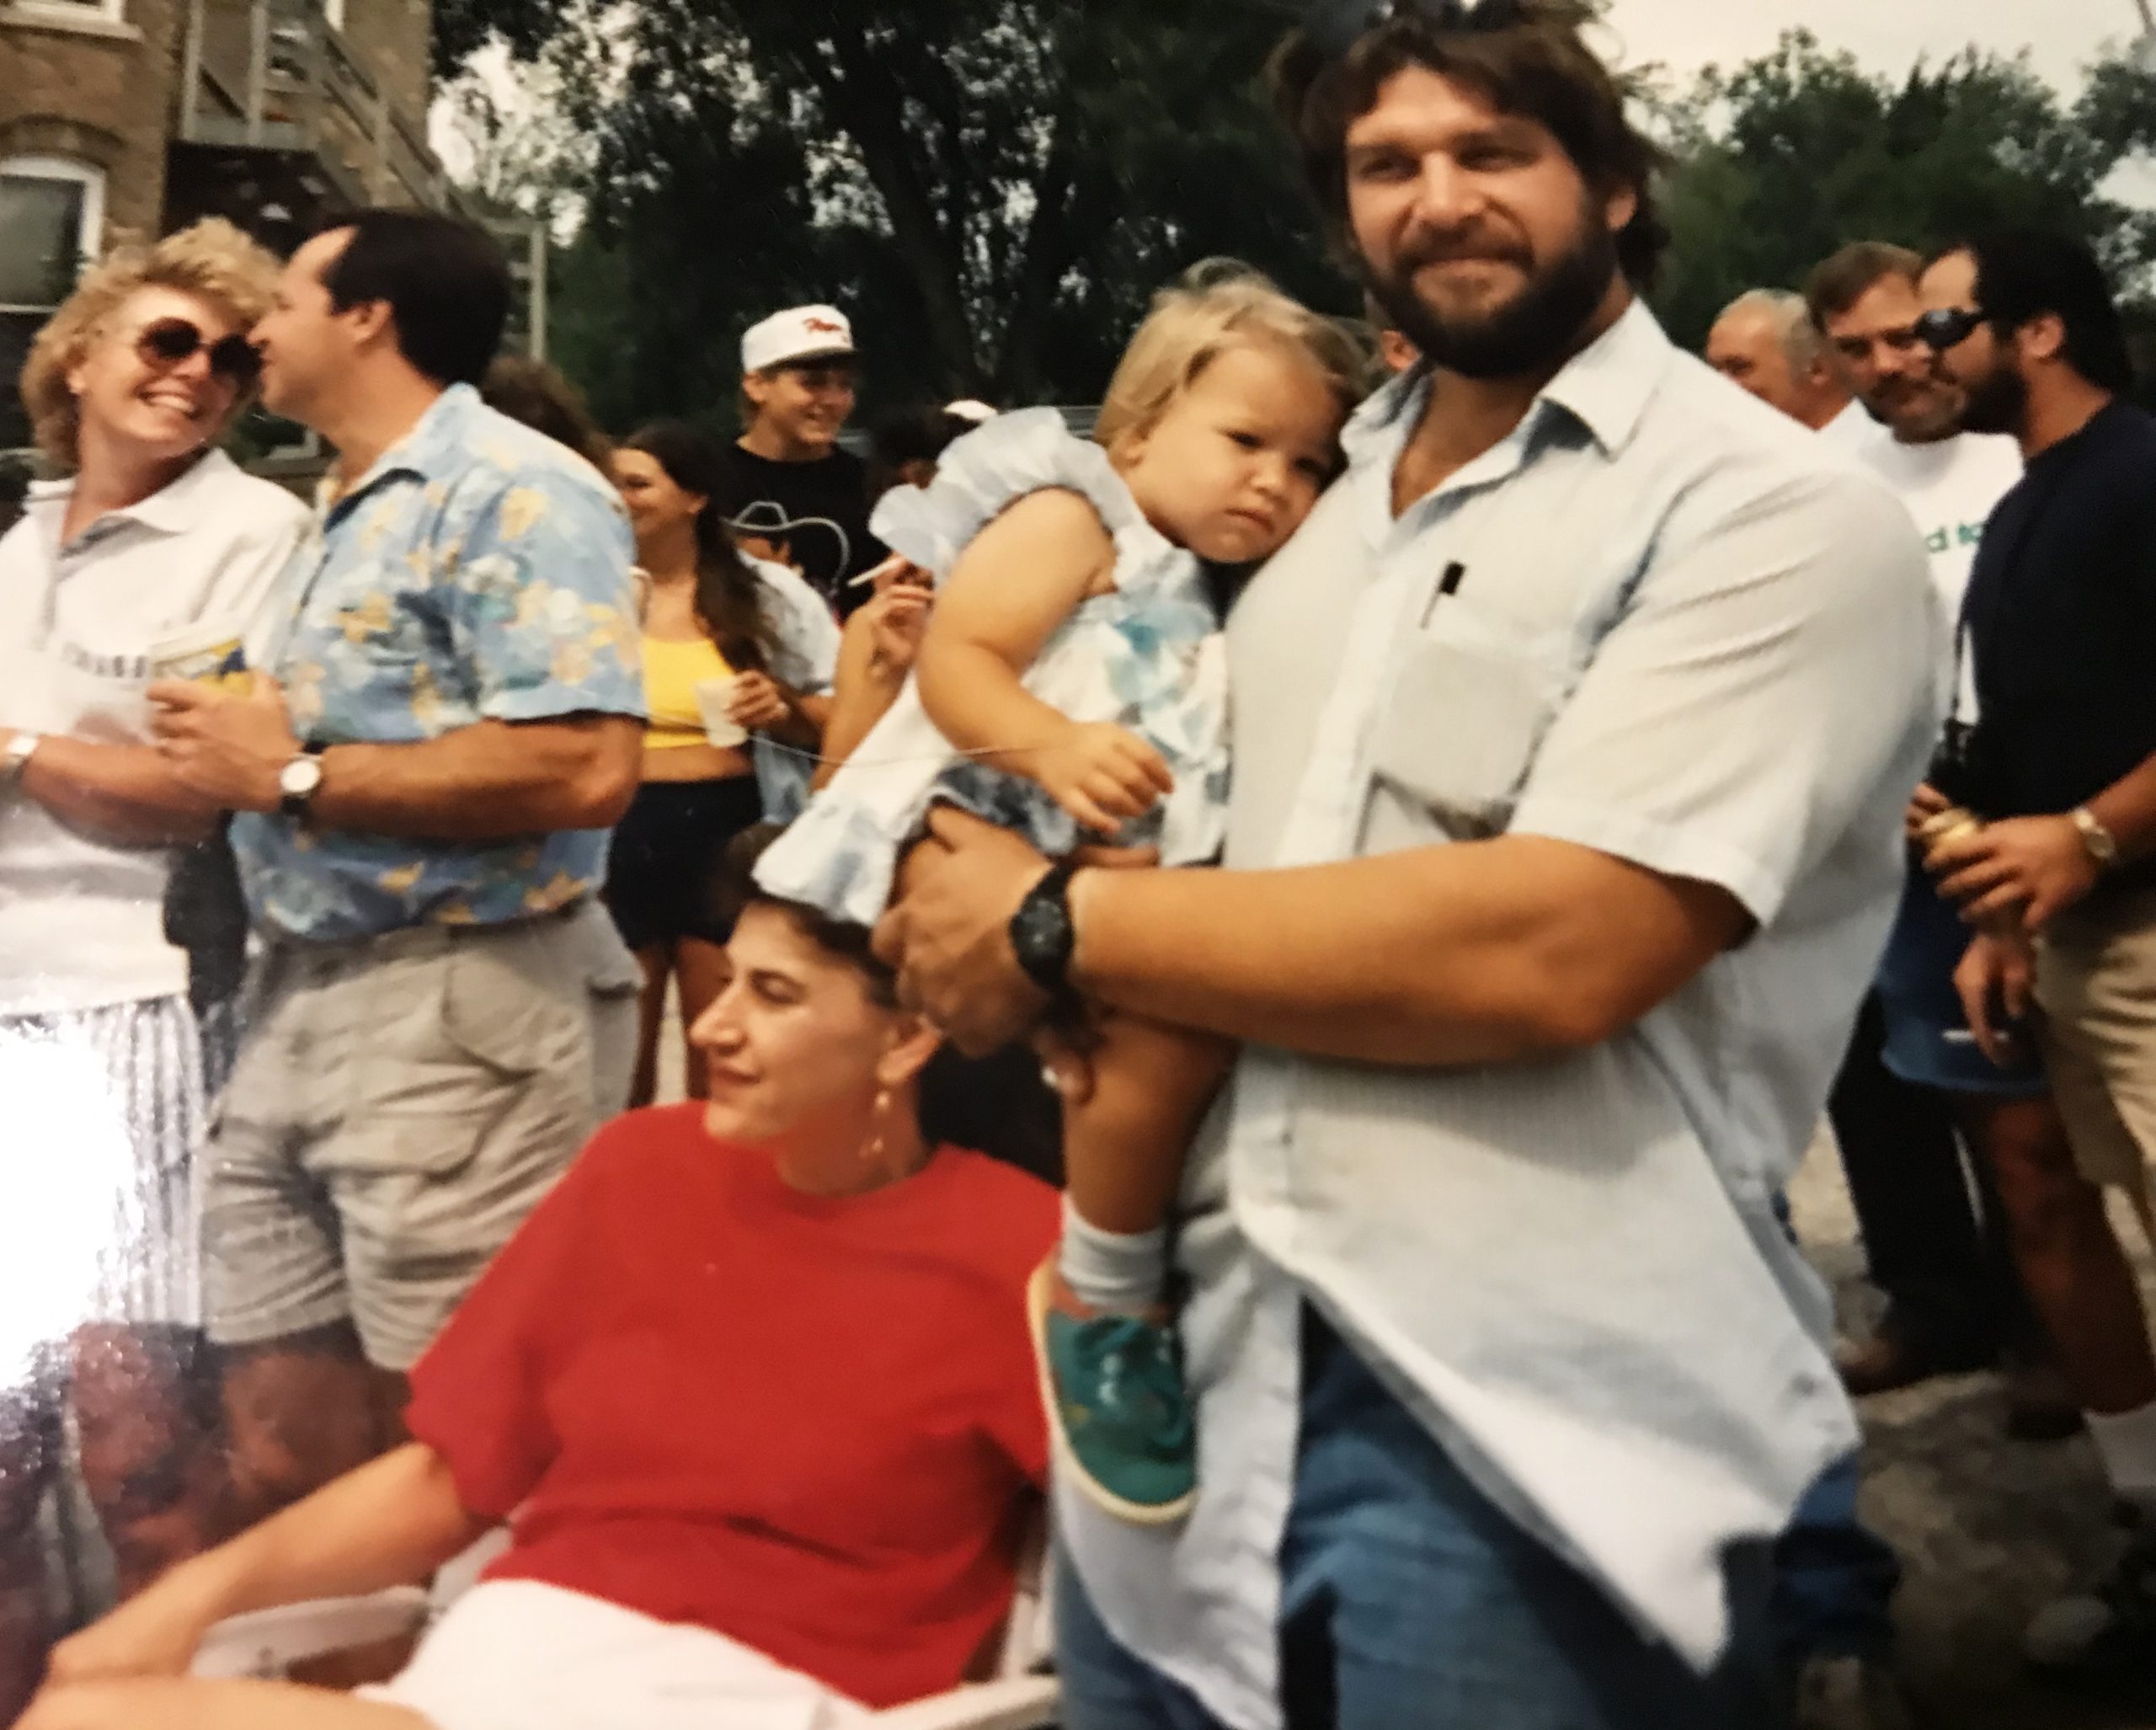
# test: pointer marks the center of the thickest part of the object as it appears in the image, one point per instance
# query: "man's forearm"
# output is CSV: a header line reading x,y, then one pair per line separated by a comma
x,y
126,794
391,1522
2128,808
490,782
1483,952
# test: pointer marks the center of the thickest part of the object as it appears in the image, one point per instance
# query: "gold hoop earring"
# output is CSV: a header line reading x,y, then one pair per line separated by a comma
x,y
879,1111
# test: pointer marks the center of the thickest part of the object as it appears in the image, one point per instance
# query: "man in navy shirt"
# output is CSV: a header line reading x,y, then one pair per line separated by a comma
x,y
2059,875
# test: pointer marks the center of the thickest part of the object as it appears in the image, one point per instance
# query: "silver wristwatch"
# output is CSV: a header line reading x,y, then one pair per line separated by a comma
x,y
16,756
298,781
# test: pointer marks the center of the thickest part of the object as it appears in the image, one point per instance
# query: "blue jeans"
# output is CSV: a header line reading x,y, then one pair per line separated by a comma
x,y
1835,1577
1410,1602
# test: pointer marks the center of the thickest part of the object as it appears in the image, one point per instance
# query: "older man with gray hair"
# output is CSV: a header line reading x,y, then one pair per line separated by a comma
x,y
1766,342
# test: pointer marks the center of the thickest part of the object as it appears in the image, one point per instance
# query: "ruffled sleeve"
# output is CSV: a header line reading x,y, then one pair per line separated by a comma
x,y
982,475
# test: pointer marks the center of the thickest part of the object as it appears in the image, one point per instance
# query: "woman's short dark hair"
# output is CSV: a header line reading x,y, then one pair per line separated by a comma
x,y
730,600
1536,64
999,1105
2025,272
735,890
445,280
539,395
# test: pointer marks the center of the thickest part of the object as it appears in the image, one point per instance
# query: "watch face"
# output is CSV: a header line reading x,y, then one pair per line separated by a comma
x,y
300,777
1040,930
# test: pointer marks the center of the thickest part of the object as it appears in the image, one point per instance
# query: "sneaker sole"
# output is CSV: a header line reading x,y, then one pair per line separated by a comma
x,y
1040,1290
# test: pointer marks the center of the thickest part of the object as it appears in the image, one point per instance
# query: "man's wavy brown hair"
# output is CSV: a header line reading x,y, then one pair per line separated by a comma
x,y
1536,64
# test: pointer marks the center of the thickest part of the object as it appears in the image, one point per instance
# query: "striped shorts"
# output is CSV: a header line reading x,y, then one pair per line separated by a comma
x,y
97,1215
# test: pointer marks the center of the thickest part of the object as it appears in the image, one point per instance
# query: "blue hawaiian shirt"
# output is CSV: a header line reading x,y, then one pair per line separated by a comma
x,y
478,571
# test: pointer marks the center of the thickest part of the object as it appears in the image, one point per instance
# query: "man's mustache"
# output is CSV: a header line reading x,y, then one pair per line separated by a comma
x,y
1468,249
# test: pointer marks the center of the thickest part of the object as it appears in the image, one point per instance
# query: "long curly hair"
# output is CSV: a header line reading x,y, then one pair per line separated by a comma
x,y
212,260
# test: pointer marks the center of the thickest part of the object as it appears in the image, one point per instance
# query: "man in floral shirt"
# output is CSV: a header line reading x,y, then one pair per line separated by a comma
x,y
444,724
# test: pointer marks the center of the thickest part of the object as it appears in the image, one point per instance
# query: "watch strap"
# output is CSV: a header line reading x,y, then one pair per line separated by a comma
x,y
1047,966
21,747
2101,846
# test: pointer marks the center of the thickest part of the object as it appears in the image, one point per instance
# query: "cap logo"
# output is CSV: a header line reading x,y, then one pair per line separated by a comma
x,y
823,327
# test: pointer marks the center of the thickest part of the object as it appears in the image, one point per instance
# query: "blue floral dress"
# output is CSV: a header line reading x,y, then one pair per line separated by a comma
x,y
1148,656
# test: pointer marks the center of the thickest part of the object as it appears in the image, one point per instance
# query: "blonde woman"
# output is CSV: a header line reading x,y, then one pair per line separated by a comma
x,y
1071,685
152,550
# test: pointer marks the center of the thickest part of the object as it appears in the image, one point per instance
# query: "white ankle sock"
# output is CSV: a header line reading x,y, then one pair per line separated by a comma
x,y
2127,1441
1123,1272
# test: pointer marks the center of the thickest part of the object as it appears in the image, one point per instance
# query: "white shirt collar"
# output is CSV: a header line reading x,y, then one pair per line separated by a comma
x,y
1606,388
172,510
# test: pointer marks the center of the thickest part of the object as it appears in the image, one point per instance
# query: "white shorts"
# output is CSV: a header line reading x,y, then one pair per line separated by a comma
x,y
98,1222
517,1655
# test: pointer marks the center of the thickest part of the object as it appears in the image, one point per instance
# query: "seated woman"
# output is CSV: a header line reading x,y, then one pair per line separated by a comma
x,y
754,1380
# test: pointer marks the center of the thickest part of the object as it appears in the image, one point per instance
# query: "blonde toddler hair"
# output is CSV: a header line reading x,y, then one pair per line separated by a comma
x,y
1216,306
213,260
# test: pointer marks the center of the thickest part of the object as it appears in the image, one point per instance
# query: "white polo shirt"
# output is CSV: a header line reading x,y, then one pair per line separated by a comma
x,y
81,923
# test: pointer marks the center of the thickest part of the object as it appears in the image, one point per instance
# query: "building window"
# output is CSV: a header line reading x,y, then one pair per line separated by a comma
x,y
61,11
51,214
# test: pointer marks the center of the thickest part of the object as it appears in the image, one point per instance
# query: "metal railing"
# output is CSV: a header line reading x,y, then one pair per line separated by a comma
x,y
276,75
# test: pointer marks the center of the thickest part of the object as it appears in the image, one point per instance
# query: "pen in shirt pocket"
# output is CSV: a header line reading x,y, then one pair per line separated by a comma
x,y
1448,583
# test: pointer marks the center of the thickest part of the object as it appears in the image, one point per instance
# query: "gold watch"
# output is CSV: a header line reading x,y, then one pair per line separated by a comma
x,y
2101,846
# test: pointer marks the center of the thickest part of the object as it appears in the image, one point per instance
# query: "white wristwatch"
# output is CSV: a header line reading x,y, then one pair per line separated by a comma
x,y
298,781
16,758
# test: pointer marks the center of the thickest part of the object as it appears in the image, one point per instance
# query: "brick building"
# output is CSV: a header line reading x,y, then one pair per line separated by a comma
x,y
125,119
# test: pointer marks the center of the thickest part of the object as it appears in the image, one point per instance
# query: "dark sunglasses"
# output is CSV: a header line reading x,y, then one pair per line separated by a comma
x,y
167,342
1335,26
1948,327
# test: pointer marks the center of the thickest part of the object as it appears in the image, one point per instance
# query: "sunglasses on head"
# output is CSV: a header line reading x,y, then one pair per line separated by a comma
x,y
167,342
1948,327
1335,26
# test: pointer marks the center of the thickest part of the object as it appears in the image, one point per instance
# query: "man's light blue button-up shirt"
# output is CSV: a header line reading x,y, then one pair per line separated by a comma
x,y
1683,633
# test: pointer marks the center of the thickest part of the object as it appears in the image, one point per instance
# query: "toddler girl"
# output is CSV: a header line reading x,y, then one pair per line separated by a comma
x,y
1072,687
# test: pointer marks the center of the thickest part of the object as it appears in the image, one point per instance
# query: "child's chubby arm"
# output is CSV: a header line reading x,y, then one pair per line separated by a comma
x,y
1023,576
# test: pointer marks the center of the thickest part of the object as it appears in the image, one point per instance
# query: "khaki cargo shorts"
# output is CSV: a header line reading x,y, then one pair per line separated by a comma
x,y
399,1106
2096,993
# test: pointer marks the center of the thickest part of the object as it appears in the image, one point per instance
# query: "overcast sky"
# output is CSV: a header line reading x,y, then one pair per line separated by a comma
x,y
1889,34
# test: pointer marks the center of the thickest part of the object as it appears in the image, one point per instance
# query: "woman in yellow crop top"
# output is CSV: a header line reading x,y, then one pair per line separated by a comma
x,y
706,619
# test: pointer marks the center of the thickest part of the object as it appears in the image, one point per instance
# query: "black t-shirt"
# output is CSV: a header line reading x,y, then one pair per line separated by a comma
x,y
823,506
2060,624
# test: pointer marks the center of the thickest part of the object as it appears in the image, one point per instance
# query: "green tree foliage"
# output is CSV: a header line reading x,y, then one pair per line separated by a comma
x,y
992,188
1783,159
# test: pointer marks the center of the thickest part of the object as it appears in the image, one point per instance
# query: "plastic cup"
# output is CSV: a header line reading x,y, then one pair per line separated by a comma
x,y
720,727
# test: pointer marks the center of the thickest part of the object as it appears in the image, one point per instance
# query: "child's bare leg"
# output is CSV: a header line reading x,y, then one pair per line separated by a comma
x,y
1111,1369
1125,1138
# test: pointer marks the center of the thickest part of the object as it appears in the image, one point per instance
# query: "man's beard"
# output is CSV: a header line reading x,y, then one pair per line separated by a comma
x,y
1997,403
1532,332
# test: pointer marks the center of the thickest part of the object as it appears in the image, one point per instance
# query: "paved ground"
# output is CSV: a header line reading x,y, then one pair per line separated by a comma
x,y
1988,1528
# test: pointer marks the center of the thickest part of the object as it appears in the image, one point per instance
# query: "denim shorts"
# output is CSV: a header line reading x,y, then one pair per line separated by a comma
x,y
1928,1038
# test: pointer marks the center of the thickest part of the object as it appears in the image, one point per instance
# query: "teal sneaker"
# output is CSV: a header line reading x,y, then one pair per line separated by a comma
x,y
1112,1385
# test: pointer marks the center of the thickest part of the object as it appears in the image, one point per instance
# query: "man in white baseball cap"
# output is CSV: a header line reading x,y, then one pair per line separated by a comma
x,y
798,372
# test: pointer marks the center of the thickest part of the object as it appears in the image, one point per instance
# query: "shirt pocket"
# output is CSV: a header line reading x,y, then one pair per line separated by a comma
x,y
1472,696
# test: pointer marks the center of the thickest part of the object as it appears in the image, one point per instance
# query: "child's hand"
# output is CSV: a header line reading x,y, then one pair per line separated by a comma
x,y
1102,775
